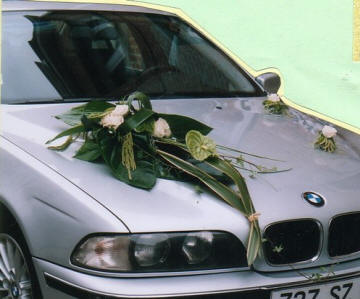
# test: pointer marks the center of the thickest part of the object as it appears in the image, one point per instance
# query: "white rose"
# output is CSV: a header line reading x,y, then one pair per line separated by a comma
x,y
112,121
161,128
329,132
273,97
120,110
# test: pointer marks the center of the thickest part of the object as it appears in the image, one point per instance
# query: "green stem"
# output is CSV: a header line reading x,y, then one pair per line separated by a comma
x,y
245,153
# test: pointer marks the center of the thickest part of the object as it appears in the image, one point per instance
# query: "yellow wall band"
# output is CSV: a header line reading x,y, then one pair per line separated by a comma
x,y
186,18
356,31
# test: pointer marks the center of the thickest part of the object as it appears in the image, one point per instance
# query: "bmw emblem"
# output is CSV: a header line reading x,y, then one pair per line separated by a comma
x,y
314,199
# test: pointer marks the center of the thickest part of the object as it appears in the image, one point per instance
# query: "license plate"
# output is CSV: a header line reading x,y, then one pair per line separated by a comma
x,y
341,289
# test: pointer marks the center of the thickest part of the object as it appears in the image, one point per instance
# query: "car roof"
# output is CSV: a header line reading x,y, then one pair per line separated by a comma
x,y
51,5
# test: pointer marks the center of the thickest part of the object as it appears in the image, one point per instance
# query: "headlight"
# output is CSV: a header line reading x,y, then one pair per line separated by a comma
x,y
151,250
197,247
160,252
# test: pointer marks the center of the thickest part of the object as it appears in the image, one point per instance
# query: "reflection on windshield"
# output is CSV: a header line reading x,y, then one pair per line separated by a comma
x,y
110,54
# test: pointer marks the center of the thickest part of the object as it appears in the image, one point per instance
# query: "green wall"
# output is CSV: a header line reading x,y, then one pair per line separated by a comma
x,y
310,42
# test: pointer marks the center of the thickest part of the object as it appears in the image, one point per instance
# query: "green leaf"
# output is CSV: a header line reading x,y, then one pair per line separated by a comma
x,y
89,151
172,142
73,116
143,143
226,168
107,143
89,123
143,99
116,157
63,146
135,120
254,243
71,131
146,126
180,125
143,176
224,192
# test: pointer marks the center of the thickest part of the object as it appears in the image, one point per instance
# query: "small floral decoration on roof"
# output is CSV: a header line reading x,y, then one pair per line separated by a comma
x,y
325,140
274,105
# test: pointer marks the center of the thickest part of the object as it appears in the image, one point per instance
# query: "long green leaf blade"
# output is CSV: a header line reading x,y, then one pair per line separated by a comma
x,y
227,194
135,120
89,151
63,146
232,173
254,243
73,116
142,98
71,131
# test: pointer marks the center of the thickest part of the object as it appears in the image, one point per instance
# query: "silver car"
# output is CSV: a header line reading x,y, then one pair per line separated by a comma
x,y
70,230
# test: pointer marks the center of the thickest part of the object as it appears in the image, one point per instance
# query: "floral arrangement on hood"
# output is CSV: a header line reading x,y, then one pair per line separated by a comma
x,y
140,145
325,140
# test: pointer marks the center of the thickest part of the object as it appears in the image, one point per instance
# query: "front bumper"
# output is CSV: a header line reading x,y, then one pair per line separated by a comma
x,y
60,282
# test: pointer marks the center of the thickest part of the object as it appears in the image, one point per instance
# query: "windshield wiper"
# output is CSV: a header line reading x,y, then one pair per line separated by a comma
x,y
200,94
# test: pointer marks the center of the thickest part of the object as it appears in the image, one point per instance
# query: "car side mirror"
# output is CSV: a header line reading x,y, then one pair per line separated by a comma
x,y
269,81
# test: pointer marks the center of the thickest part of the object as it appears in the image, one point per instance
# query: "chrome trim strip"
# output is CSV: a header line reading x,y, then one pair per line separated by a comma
x,y
312,282
352,255
321,243
146,296
306,282
157,274
13,6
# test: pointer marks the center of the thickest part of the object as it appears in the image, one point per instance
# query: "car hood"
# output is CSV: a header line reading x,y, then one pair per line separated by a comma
x,y
172,206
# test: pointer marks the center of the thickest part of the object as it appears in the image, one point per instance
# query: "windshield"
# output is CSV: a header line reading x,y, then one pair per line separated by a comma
x,y
50,56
